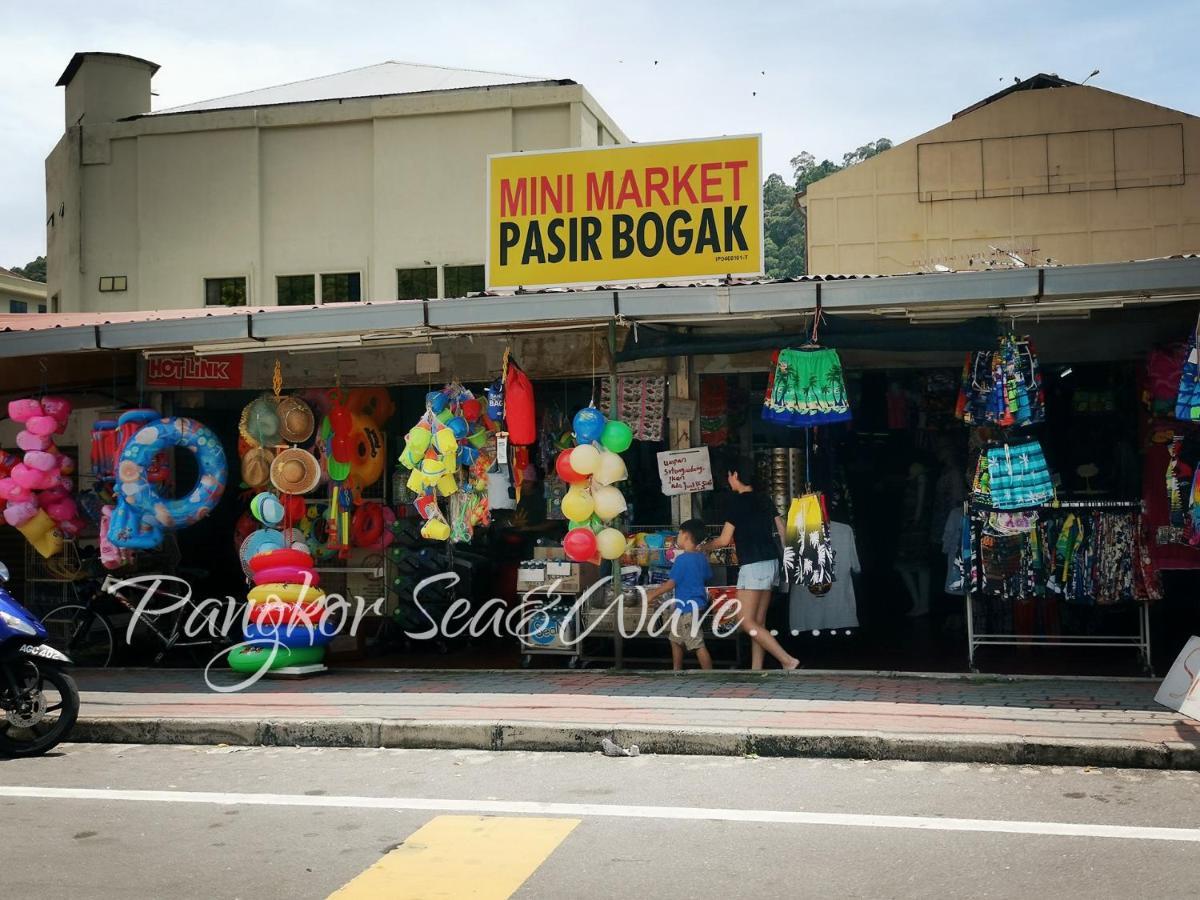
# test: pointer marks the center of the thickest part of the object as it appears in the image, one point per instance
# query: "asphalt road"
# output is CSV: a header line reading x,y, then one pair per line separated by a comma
x,y
121,822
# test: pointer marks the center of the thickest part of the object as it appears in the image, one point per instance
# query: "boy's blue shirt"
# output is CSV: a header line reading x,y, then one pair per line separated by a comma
x,y
691,574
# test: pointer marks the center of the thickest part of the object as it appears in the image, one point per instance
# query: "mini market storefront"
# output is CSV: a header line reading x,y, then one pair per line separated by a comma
x,y
693,364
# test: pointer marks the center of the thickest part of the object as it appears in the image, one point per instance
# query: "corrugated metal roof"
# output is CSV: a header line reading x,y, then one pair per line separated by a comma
x,y
382,79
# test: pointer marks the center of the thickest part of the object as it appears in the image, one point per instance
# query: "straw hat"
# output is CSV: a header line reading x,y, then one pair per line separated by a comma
x,y
295,471
256,467
259,424
296,420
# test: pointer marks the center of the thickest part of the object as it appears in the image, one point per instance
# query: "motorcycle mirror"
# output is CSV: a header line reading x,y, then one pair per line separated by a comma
x,y
3,573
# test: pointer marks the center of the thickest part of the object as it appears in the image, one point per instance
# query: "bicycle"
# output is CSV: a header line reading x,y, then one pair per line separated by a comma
x,y
85,630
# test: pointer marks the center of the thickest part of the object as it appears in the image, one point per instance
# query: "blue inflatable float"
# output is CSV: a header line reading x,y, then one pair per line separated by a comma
x,y
143,514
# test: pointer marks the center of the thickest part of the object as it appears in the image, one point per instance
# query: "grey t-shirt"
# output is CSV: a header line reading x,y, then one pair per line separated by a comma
x,y
838,608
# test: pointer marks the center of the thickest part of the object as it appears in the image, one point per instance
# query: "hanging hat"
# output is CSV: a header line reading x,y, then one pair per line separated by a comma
x,y
295,471
260,421
256,467
296,420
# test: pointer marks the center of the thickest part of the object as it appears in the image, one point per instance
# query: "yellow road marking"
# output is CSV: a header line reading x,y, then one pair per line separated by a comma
x,y
485,857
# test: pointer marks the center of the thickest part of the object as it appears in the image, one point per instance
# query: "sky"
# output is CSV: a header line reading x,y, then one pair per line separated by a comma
x,y
822,77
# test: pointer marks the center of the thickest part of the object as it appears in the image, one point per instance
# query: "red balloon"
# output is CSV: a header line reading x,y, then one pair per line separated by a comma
x,y
562,466
471,410
580,544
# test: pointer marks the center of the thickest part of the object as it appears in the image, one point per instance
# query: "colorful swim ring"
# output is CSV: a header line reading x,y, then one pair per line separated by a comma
x,y
252,657
366,528
285,593
143,514
288,556
291,635
288,575
307,613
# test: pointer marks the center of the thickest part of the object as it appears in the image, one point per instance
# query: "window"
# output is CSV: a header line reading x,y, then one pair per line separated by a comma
x,y
110,283
18,306
54,303
224,291
41,307
296,290
416,284
345,287
463,280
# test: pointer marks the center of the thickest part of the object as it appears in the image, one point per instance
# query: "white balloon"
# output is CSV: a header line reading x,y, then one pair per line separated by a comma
x,y
584,459
609,501
611,469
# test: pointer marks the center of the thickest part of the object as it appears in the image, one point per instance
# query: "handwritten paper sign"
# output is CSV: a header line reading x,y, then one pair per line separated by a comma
x,y
685,471
1180,690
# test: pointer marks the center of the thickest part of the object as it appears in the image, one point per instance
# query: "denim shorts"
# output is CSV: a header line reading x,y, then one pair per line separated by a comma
x,y
758,576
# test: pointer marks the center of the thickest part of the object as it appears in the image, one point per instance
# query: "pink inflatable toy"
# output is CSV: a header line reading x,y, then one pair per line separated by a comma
x,y
58,408
42,425
287,575
30,478
12,492
42,461
17,514
24,410
28,441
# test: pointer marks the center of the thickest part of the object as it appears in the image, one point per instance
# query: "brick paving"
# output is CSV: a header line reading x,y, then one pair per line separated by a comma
x,y
1084,709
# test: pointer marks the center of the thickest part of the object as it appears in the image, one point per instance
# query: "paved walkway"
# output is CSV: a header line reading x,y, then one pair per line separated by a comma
x,y
1015,712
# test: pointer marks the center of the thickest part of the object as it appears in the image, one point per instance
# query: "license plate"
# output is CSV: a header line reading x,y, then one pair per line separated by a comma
x,y
44,651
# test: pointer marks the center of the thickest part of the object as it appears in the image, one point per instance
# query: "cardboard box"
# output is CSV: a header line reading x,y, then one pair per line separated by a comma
x,y
555,553
572,577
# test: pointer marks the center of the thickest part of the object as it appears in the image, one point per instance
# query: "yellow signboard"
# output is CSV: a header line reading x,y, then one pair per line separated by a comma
x,y
632,213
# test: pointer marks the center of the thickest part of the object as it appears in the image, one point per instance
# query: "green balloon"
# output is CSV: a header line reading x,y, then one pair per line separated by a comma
x,y
593,524
617,436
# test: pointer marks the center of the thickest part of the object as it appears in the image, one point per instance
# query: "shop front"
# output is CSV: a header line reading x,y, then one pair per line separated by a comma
x,y
388,446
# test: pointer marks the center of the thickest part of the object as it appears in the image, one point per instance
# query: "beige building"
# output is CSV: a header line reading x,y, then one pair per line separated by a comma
x,y
368,184
20,295
1046,170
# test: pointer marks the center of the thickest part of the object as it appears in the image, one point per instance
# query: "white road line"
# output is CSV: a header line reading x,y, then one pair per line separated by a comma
x,y
533,808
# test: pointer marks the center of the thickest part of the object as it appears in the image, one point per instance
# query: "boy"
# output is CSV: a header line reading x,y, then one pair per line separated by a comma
x,y
689,576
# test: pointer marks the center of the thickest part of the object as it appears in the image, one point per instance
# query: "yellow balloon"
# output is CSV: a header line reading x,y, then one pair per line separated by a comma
x,y
609,503
584,459
611,469
578,505
611,543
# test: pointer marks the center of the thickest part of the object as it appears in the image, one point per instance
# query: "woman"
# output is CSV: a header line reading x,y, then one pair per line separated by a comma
x,y
752,522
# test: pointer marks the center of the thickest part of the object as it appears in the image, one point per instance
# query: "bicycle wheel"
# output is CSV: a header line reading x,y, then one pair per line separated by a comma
x,y
82,634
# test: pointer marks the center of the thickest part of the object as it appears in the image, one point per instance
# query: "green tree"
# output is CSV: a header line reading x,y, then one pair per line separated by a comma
x,y
785,236
34,271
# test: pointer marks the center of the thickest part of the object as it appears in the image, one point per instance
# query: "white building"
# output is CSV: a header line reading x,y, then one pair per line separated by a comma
x,y
20,295
368,184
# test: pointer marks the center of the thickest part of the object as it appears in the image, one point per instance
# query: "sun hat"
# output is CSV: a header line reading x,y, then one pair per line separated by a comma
x,y
296,420
259,423
256,467
295,471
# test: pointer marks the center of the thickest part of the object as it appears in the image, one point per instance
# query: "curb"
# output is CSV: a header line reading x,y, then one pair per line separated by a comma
x,y
414,734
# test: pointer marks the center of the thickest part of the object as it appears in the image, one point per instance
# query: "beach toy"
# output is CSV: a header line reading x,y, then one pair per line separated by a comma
x,y
588,425
280,556
584,459
616,436
287,575
609,503
580,544
285,593
578,503
611,543
252,658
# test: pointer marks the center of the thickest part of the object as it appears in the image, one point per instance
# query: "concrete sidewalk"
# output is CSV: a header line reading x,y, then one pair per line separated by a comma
x,y
1058,721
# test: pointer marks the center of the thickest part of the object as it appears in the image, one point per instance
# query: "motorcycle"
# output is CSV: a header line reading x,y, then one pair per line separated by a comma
x,y
39,702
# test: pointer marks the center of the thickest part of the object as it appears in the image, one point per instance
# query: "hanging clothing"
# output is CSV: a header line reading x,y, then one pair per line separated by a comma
x,y
641,404
809,557
837,608
952,532
806,388
1187,400
1013,476
1002,386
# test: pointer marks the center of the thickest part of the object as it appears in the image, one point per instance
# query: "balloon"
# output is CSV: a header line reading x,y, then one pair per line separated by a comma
x,y
584,459
611,469
17,514
42,461
29,441
58,408
11,491
562,465
611,543
24,410
580,544
42,425
617,436
577,505
588,424
609,503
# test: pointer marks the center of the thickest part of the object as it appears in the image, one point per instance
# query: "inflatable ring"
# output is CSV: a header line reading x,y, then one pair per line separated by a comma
x,y
292,636
142,513
286,613
285,593
288,556
251,658
366,456
287,575
366,528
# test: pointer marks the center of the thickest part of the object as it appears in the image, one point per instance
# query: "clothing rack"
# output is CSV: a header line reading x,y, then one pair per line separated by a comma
x,y
1139,641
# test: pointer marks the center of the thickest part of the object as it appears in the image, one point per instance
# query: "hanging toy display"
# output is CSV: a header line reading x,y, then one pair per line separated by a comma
x,y
143,514
592,468
447,454
36,493
287,627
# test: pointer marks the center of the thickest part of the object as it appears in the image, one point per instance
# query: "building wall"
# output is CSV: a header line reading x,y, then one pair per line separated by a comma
x,y
367,186
1072,174
20,295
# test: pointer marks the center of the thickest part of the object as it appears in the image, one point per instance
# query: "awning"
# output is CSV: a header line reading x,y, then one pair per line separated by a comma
x,y
926,298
